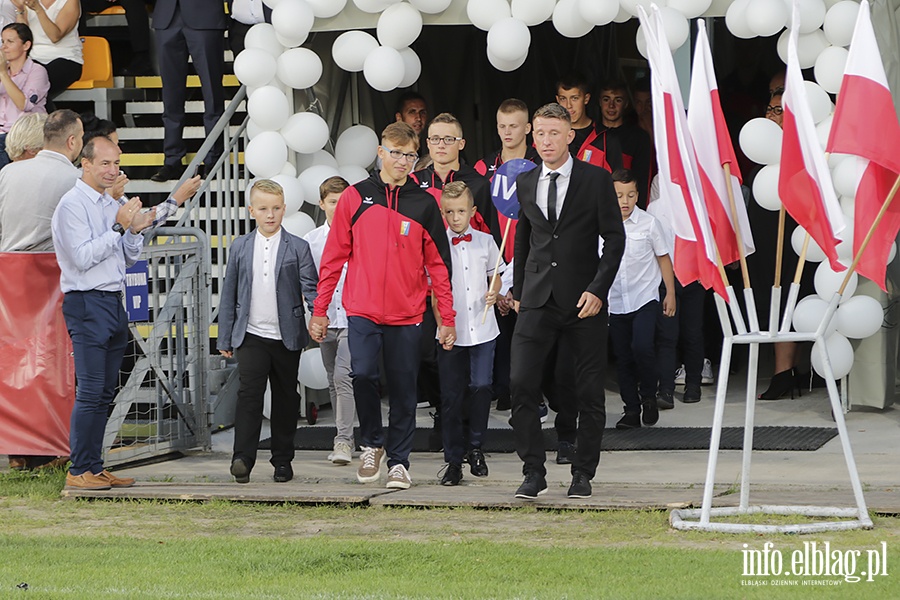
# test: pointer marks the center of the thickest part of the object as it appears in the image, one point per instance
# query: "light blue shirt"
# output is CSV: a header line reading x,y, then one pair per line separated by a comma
x,y
91,255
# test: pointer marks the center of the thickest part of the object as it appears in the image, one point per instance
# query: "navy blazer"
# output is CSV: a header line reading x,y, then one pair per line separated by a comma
x,y
296,279
197,14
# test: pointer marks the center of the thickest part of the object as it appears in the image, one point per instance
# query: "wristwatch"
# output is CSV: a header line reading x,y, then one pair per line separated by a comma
x,y
118,229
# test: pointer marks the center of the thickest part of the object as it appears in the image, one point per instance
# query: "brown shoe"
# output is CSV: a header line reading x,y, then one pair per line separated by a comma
x,y
86,481
116,482
18,463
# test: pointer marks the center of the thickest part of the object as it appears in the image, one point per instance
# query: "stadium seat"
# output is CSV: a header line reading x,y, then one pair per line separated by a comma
x,y
112,10
98,69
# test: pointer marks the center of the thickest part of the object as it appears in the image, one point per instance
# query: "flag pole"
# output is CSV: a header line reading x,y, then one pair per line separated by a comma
x,y
779,247
496,267
745,273
795,287
871,232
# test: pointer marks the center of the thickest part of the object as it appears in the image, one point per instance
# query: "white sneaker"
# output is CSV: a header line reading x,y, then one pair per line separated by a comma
x,y
706,375
370,462
679,375
342,454
398,478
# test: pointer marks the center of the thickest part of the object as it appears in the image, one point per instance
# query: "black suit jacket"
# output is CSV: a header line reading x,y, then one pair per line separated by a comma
x,y
199,14
563,260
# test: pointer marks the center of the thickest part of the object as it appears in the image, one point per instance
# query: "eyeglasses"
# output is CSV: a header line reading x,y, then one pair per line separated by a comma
x,y
447,139
775,110
397,155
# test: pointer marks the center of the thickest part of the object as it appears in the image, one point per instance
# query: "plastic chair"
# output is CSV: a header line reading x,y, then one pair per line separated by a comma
x,y
98,70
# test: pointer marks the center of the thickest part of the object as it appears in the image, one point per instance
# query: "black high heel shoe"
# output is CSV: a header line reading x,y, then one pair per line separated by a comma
x,y
781,384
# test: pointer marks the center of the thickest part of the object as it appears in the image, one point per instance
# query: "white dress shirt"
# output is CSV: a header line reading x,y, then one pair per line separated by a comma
x,y
562,185
637,281
337,316
263,318
472,264
248,12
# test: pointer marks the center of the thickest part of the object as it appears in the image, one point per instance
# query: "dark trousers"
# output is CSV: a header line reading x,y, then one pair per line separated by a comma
x,y
558,386
507,325
400,346
685,330
206,47
62,73
465,369
537,330
428,384
135,14
632,336
262,360
98,327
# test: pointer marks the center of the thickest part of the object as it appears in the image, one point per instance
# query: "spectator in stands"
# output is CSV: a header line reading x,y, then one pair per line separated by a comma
x,y
56,43
138,31
23,83
7,12
244,15
94,127
196,27
26,138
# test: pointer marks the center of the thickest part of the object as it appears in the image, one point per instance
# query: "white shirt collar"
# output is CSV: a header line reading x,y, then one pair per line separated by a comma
x,y
635,217
276,237
564,171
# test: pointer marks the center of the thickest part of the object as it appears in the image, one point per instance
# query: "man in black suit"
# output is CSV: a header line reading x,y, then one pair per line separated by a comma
x,y
560,288
196,27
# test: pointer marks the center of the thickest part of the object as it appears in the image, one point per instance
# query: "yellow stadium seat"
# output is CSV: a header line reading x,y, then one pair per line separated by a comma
x,y
112,10
98,69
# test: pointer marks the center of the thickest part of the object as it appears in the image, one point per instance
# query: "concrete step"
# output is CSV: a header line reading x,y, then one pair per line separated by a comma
x,y
156,108
193,81
136,187
156,159
156,133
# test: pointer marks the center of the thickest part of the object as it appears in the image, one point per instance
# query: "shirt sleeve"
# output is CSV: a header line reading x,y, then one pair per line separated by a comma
x,y
35,88
73,235
657,238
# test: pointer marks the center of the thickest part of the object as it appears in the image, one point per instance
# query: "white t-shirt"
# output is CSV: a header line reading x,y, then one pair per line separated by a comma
x,y
637,281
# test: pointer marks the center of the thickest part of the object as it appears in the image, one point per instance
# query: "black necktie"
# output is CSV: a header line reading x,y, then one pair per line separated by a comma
x,y
551,199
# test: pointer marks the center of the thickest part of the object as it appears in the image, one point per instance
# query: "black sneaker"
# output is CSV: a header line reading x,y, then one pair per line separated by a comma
x,y
477,464
503,403
533,486
630,420
167,173
581,486
283,473
691,394
649,411
665,401
240,471
565,453
452,475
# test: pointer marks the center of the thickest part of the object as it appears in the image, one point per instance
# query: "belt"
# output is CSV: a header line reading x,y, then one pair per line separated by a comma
x,y
100,293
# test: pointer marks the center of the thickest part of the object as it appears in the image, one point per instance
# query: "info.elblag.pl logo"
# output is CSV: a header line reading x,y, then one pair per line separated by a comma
x,y
812,564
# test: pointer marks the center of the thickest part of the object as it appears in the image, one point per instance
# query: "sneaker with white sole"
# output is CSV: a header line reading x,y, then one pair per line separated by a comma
x,y
342,454
370,462
706,375
398,478
680,374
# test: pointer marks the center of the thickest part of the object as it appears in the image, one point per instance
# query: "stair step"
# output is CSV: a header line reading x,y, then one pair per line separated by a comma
x,y
156,108
155,159
193,81
156,133
137,187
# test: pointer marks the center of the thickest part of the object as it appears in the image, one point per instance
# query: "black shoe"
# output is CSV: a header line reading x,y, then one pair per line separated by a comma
x,y
283,473
533,486
240,471
691,394
477,464
649,411
581,486
630,420
167,173
452,475
665,401
781,384
503,403
565,453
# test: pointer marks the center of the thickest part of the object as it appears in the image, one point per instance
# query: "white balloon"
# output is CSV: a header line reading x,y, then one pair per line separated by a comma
x,y
766,17
765,188
597,12
509,39
293,192
859,317
568,21
266,154
254,66
808,315
847,174
839,22
820,105
836,158
322,157
293,20
892,254
505,65
431,7
351,48
690,8
623,16
299,68
262,37
809,47
268,107
640,40
631,6
353,174
399,26
312,178
736,19
253,129
828,282
289,42
848,206
845,246
535,12
299,223
813,251
829,68
840,354
356,146
412,67
325,9
312,372
305,132
676,26
812,14
823,130
289,169
374,6
760,139
384,69
484,13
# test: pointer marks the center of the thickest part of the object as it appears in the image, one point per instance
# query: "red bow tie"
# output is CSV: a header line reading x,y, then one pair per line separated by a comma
x,y
462,238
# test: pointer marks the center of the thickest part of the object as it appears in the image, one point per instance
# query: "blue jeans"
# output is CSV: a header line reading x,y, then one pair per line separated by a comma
x,y
632,336
98,327
465,368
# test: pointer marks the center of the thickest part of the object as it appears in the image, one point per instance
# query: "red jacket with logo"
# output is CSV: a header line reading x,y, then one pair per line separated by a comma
x,y
485,218
392,240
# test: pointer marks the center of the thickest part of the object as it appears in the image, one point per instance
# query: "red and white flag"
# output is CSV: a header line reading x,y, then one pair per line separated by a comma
x,y
804,183
865,124
694,256
713,148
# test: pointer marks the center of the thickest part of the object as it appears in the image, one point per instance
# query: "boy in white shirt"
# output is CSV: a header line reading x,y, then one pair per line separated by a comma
x,y
634,304
468,364
335,347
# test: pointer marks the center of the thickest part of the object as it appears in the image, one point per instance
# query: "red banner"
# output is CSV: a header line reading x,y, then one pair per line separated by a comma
x,y
37,373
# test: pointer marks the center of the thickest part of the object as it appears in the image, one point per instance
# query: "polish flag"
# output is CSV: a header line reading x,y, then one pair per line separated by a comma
x,y
713,148
804,183
694,257
865,124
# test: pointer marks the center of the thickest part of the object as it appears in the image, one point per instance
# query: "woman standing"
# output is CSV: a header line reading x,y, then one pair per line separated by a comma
x,y
23,83
56,43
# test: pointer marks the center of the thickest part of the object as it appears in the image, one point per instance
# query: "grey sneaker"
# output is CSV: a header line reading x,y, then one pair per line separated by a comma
x,y
342,454
398,478
370,462
679,375
706,375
